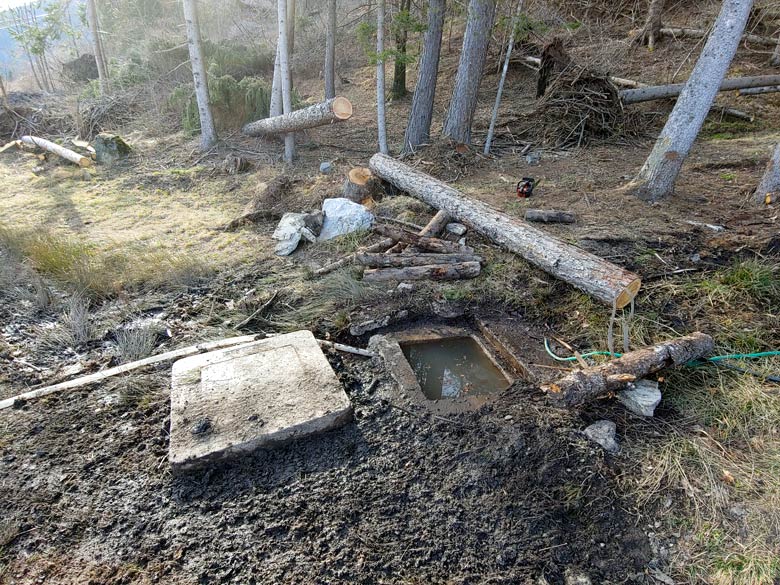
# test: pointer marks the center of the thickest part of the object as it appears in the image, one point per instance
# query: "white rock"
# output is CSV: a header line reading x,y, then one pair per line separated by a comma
x,y
343,216
642,398
291,228
456,228
603,433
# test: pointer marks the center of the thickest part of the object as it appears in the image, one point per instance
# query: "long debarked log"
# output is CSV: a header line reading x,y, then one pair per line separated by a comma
x,y
332,110
431,272
66,153
401,260
582,385
601,279
660,92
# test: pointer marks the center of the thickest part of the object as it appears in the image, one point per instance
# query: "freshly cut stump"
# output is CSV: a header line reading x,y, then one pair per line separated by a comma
x,y
333,110
236,400
359,185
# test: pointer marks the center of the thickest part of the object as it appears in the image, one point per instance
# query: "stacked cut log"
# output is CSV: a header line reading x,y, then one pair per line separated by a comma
x,y
424,257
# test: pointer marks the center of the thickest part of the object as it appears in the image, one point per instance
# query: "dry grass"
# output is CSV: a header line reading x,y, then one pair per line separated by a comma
x,y
135,343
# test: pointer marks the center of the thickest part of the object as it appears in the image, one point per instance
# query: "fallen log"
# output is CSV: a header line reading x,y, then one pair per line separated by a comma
x,y
602,280
549,216
430,272
768,190
129,367
66,153
660,92
759,90
581,385
431,229
401,260
333,110
422,242
697,33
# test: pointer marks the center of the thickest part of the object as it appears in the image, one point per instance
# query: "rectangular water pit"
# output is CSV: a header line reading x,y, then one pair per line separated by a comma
x,y
454,367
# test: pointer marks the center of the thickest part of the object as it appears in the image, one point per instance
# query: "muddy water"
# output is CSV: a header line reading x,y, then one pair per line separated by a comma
x,y
457,366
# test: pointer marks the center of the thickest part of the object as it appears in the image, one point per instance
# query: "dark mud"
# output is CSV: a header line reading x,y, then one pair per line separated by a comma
x,y
477,498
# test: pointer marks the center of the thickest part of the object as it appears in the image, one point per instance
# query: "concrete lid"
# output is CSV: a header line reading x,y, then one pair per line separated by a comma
x,y
256,395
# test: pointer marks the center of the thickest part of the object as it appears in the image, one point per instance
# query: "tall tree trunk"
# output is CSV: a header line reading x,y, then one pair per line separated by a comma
x,y
380,77
768,190
399,68
657,177
4,94
208,134
330,52
460,114
419,127
652,29
290,29
276,108
284,74
97,45
509,46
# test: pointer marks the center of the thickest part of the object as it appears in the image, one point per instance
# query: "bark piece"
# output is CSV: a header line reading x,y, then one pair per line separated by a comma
x,y
768,190
422,242
549,216
333,110
601,279
430,272
662,92
66,153
402,260
580,386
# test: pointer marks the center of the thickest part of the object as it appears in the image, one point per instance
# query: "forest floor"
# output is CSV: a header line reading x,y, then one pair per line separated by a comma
x,y
509,493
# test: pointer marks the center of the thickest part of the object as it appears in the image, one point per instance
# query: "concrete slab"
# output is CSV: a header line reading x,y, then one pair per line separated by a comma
x,y
257,395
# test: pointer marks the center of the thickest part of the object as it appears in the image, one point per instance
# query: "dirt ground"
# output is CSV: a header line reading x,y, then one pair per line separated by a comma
x,y
509,493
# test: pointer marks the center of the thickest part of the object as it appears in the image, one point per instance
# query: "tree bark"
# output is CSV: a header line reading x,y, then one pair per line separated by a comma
x,y
333,110
602,280
768,190
97,46
652,29
419,126
657,177
284,73
402,260
697,33
549,216
423,242
500,90
330,52
582,385
291,8
432,272
380,77
66,153
759,90
662,92
460,114
399,67
275,107
208,133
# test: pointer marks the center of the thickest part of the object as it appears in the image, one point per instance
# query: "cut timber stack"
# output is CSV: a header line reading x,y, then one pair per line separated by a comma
x,y
602,280
333,110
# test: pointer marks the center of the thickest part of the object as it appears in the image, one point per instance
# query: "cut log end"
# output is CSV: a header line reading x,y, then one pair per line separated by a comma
x,y
360,175
342,108
629,293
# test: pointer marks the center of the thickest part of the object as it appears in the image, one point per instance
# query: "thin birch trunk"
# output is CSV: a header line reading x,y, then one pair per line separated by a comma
x,y
276,108
380,77
97,46
284,73
509,46
208,133
419,126
657,177
330,52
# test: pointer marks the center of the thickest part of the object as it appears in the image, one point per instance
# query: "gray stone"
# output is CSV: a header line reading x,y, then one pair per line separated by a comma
x,y
236,400
404,288
109,148
603,433
642,398
456,228
326,167
294,226
343,216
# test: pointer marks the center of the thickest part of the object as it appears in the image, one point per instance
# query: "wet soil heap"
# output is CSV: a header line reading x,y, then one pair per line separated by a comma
x,y
505,494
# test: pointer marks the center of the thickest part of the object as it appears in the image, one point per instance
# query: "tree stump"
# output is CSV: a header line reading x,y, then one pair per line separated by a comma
x,y
360,185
